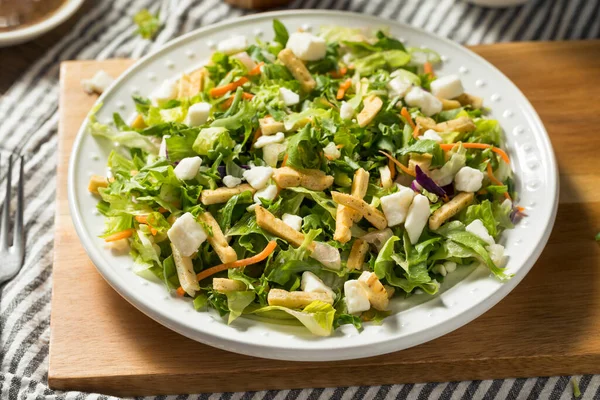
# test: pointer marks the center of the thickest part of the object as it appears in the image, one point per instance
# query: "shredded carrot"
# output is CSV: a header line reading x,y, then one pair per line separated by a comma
x,y
495,180
227,103
416,132
119,235
256,70
428,68
339,146
220,91
257,134
392,168
285,156
404,112
162,210
520,209
236,264
143,219
482,191
343,87
500,152
336,74
398,163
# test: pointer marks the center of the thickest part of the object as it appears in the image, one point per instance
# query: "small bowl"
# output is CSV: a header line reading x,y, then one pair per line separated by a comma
x,y
29,32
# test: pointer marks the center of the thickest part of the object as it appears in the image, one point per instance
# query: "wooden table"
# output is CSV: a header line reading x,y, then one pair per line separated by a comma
x,y
547,326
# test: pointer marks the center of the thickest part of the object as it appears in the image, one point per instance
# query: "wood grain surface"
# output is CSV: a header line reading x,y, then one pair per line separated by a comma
x,y
547,326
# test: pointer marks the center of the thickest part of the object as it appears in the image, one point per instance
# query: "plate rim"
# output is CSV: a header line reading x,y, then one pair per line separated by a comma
x,y
312,354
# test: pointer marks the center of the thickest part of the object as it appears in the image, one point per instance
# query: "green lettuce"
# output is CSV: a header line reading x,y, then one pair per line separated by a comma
x,y
281,32
233,209
213,142
237,302
303,150
131,139
318,197
426,146
389,59
317,317
412,275
457,234
485,213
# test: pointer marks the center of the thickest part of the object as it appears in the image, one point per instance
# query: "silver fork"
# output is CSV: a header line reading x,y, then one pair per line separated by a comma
x,y
11,257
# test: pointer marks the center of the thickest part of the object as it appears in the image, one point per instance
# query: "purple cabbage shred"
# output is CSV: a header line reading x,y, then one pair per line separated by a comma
x,y
428,184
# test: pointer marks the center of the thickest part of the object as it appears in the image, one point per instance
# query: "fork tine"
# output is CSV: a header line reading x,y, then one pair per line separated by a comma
x,y
6,209
18,240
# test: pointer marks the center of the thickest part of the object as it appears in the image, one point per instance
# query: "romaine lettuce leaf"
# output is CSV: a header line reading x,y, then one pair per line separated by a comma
x,y
388,59
233,209
413,276
317,317
426,146
131,139
485,213
213,142
303,150
237,302
477,245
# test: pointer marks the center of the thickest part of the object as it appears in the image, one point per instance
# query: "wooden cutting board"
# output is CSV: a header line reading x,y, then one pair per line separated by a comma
x,y
547,326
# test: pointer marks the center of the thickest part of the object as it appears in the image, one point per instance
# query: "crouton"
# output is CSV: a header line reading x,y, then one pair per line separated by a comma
x,y
312,179
297,69
217,240
224,285
97,182
466,99
277,227
461,124
138,122
360,184
343,223
268,126
346,215
426,123
449,104
373,215
422,160
378,296
283,298
190,85
185,272
450,209
372,105
221,195
359,250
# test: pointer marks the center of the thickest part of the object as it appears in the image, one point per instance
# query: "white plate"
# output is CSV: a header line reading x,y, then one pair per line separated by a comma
x,y
417,320
30,32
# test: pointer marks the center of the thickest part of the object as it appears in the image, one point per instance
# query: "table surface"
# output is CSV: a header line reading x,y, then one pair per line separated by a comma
x,y
524,335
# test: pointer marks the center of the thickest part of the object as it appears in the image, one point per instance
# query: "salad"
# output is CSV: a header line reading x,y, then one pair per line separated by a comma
x,y
307,179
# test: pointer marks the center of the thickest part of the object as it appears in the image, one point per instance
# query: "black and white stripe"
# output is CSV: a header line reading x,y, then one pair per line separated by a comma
x,y
29,115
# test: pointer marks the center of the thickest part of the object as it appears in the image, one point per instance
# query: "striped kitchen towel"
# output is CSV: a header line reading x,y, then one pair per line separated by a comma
x,y
28,112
